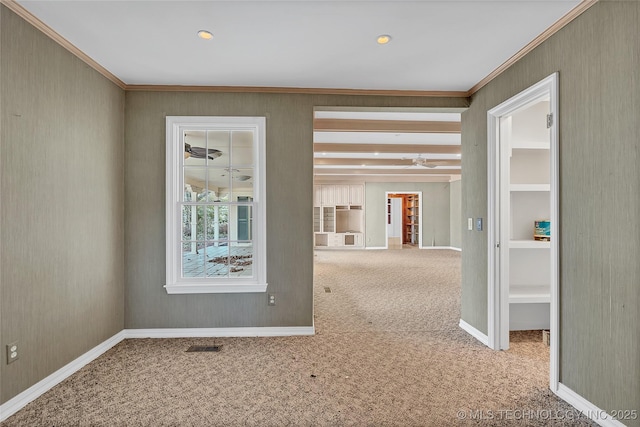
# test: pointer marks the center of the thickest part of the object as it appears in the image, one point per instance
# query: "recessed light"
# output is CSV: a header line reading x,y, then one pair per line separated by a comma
x,y
205,35
383,39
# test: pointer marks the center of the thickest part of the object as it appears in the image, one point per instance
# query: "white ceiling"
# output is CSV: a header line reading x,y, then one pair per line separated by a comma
x,y
436,45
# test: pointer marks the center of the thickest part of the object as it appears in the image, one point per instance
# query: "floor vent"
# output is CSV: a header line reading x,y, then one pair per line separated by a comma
x,y
204,348
327,289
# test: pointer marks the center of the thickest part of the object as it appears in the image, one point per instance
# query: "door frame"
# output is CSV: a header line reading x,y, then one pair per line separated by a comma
x,y
386,228
498,293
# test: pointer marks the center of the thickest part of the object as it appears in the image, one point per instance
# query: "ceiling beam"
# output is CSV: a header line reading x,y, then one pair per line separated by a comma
x,y
391,126
346,179
338,147
363,171
380,162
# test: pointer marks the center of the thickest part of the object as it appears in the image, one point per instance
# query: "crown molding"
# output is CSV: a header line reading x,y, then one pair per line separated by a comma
x,y
298,90
557,26
48,31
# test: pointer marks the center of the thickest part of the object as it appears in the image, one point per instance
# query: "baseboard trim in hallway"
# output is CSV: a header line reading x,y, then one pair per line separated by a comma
x,y
451,248
18,402
447,248
483,338
590,410
565,393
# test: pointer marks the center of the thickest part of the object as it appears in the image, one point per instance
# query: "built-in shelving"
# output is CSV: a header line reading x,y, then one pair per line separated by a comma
x,y
530,187
525,294
412,219
338,215
529,196
529,244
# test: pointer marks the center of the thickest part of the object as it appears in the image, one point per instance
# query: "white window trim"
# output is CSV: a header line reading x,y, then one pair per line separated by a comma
x,y
175,284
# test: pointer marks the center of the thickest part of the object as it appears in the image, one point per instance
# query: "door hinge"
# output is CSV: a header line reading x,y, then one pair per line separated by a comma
x,y
549,120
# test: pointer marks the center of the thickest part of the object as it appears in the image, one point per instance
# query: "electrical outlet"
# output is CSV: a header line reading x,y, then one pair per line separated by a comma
x,y
478,224
272,299
12,352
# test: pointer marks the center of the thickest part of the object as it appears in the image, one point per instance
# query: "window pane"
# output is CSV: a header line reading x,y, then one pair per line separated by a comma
x,y
242,185
194,146
241,222
241,259
194,184
218,260
193,222
242,148
217,222
218,182
193,259
189,221
218,142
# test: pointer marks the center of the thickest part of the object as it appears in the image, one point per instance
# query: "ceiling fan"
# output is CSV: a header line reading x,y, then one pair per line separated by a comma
x,y
424,162
200,152
234,174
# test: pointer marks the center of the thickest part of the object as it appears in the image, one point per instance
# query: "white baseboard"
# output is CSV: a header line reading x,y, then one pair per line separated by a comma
x,y
32,393
598,415
18,402
284,331
451,248
483,338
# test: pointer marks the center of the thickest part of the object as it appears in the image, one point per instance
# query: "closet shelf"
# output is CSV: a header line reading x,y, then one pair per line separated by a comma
x,y
523,294
529,244
530,187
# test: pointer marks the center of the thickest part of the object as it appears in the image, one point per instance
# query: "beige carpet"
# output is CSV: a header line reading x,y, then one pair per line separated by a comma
x,y
388,352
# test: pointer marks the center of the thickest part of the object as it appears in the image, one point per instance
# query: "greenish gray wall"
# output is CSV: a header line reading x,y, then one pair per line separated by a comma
x,y
289,206
455,214
62,207
598,58
435,211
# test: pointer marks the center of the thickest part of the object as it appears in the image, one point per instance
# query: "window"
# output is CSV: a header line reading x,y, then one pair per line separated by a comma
x,y
216,227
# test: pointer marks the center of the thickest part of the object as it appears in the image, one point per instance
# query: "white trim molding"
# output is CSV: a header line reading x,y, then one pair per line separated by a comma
x,y
590,410
209,289
32,393
18,402
371,248
474,332
282,331
177,282
447,248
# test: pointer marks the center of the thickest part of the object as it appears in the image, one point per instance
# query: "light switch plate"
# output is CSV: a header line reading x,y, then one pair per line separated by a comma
x,y
470,224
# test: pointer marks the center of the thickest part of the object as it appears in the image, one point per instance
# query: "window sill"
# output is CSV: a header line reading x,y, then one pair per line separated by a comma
x,y
216,289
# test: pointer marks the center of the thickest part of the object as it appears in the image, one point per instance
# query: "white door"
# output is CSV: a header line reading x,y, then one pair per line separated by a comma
x,y
395,226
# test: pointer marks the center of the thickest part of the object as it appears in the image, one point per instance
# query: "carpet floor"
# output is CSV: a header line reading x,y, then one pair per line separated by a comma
x,y
387,352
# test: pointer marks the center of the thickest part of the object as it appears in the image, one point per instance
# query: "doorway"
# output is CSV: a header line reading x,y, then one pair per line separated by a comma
x,y
403,219
523,217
